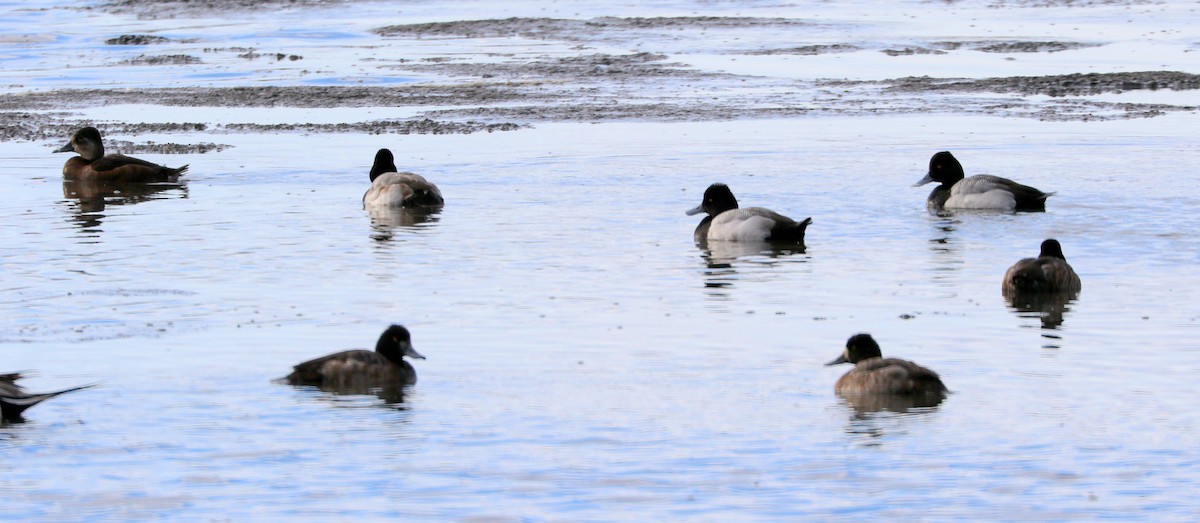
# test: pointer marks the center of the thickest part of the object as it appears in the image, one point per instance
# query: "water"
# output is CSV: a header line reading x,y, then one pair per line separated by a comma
x,y
586,361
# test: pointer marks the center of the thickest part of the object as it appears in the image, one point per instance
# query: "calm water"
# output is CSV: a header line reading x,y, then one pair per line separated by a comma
x,y
586,360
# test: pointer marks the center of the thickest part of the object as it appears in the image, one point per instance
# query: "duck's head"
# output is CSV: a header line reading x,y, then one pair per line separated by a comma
x,y
717,199
85,142
384,163
395,343
944,168
1052,249
859,347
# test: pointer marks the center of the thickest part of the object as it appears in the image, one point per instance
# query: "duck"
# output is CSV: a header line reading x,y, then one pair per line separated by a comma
x,y
14,400
92,165
727,222
874,374
393,189
1047,273
980,192
384,366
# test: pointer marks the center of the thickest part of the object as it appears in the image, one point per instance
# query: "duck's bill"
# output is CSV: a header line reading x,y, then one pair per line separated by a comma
x,y
412,353
697,210
840,360
924,180
65,149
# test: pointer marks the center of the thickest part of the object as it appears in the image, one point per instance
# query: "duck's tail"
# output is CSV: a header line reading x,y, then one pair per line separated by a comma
x,y
793,233
12,405
178,171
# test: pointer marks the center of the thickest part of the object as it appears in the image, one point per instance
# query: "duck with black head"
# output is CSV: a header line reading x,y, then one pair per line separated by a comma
x,y
92,165
978,192
874,374
727,222
14,399
1048,273
393,189
359,367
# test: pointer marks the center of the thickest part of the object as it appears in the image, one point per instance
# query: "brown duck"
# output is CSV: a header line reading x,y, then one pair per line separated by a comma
x,y
1047,273
92,165
874,374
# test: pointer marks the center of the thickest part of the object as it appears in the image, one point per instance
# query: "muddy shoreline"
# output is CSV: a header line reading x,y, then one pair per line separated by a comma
x,y
485,93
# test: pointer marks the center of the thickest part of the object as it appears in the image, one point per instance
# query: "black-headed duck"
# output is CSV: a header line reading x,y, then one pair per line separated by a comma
x,y
92,165
1049,272
980,192
727,222
874,374
14,399
383,366
393,189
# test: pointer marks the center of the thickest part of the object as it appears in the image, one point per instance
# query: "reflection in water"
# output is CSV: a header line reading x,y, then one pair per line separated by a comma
x,y
873,415
719,257
385,220
900,403
1049,307
391,394
92,197
946,253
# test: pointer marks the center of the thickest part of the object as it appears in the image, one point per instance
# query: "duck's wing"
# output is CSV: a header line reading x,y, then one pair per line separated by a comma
x,y
115,161
334,366
1024,196
388,190
1058,271
402,190
896,376
421,191
134,169
1045,274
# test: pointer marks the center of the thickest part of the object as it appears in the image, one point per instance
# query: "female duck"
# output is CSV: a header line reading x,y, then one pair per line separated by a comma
x,y
384,366
726,222
396,189
874,374
14,399
982,191
1049,272
93,166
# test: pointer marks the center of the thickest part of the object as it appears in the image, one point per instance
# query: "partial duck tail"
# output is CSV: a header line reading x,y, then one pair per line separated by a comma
x,y
14,400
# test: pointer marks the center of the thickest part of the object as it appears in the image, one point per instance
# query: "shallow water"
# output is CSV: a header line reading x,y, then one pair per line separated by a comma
x,y
586,361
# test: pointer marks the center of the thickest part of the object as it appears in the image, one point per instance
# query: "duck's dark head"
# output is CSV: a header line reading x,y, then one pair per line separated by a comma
x,y
859,347
1052,249
395,343
943,168
85,142
717,199
384,163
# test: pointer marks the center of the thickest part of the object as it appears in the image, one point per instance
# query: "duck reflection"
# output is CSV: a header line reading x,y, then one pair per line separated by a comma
x,y
392,394
720,257
947,255
87,200
871,403
1049,308
873,417
385,221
